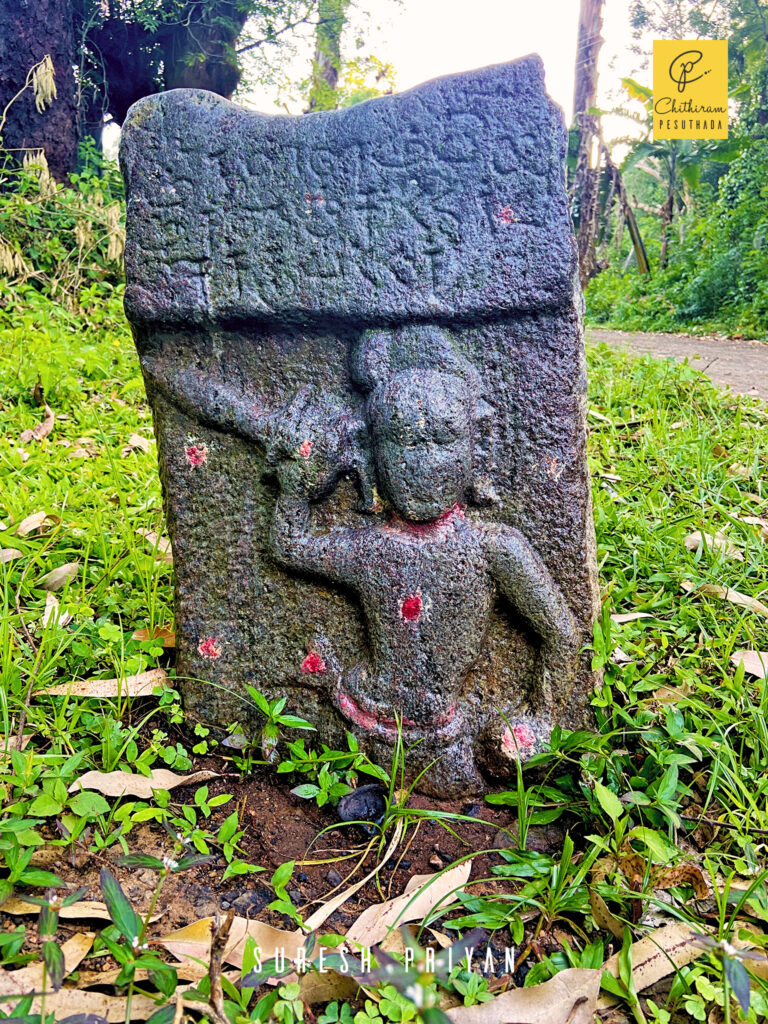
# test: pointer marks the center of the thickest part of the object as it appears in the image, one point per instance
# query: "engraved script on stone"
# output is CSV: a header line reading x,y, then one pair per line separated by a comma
x,y
361,336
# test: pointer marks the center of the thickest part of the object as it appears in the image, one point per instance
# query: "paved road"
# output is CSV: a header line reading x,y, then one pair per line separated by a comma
x,y
740,365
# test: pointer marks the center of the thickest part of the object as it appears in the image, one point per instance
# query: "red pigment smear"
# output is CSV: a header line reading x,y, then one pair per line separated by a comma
x,y
305,449
422,529
209,648
367,719
313,664
196,455
356,714
506,215
411,608
519,736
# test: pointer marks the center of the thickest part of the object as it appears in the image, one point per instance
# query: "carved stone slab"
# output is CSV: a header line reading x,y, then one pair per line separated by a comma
x,y
361,338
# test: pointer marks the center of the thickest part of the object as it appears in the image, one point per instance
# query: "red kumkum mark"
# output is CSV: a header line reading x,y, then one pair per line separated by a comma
x,y
196,455
411,608
305,449
209,648
519,736
506,215
432,525
313,664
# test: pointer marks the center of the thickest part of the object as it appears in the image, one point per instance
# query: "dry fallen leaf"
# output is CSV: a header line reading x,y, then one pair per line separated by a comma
x,y
759,522
192,944
630,616
8,555
141,685
755,662
84,910
58,577
164,634
568,998
35,522
726,594
136,441
42,429
671,694
422,895
161,545
142,786
53,614
30,979
715,542
655,956
620,657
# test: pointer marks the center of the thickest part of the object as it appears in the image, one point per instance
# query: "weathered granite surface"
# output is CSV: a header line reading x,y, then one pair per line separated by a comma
x,y
361,338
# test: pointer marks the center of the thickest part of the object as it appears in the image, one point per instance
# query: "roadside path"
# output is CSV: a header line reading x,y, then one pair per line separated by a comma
x,y
740,365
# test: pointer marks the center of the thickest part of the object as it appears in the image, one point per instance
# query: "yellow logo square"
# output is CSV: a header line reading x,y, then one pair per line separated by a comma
x,y
690,89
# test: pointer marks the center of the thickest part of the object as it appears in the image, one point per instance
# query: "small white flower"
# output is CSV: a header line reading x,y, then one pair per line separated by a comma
x,y
416,994
135,942
170,864
727,948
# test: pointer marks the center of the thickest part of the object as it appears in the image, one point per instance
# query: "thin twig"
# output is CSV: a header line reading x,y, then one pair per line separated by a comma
x,y
219,936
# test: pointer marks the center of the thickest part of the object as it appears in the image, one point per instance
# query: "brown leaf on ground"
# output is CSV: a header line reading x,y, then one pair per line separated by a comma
x,y
35,522
671,694
30,979
84,910
60,576
161,545
422,894
568,998
726,594
755,662
759,522
8,555
655,956
192,944
136,442
604,919
142,786
717,542
42,429
141,685
621,617
53,614
164,634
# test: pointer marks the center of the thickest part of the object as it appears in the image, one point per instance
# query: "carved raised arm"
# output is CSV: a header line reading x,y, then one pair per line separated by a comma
x,y
331,555
213,403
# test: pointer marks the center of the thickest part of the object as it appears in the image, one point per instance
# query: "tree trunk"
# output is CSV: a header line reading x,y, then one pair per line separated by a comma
x,y
587,178
323,94
30,29
627,215
201,54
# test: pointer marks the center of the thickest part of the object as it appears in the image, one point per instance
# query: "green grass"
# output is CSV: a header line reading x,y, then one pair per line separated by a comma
x,y
669,454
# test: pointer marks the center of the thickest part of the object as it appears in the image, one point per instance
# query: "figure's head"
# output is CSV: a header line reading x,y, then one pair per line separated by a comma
x,y
422,411
420,422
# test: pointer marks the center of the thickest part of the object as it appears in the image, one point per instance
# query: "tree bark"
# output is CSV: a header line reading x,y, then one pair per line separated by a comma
x,y
323,94
30,29
587,178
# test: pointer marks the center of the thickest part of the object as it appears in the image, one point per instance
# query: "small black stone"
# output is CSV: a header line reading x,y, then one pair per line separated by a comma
x,y
366,803
302,876
334,877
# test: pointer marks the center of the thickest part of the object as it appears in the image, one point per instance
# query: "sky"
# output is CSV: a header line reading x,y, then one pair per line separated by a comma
x,y
427,38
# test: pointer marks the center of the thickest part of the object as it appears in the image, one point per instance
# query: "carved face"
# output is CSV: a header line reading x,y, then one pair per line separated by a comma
x,y
422,439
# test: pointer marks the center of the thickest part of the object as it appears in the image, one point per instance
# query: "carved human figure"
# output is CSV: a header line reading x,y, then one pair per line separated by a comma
x,y
428,575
